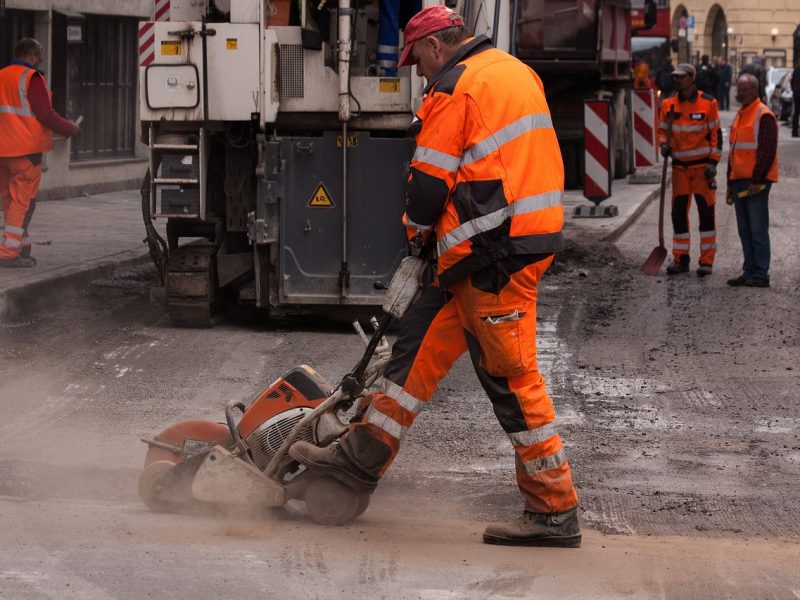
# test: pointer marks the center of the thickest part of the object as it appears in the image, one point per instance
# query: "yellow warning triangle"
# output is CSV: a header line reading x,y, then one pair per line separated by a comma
x,y
321,198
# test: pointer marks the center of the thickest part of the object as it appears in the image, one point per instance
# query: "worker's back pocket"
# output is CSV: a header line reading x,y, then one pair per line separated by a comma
x,y
507,336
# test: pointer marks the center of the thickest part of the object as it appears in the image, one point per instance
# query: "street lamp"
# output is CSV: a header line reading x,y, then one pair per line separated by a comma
x,y
774,34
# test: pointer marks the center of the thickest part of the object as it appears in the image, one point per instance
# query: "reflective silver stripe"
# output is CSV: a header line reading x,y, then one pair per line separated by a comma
x,y
24,110
533,436
384,422
387,63
11,243
708,246
508,133
681,236
17,230
694,152
689,127
680,245
488,222
417,226
387,49
437,159
402,397
745,145
707,233
537,465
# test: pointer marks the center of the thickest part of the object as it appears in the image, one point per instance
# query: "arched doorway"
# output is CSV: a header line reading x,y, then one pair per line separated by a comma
x,y
679,18
717,32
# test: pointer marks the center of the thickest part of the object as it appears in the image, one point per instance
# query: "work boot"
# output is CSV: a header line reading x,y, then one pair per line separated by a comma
x,y
681,266
703,270
557,530
333,461
757,282
736,281
18,262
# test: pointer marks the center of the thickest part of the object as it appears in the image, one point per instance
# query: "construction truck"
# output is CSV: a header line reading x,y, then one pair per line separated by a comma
x,y
279,145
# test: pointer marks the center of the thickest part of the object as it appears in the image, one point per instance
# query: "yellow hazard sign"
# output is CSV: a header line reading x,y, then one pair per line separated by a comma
x,y
232,43
389,85
321,198
170,48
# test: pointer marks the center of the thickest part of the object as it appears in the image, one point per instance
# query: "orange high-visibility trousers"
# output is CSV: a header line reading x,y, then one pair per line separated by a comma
x,y
685,183
498,328
19,183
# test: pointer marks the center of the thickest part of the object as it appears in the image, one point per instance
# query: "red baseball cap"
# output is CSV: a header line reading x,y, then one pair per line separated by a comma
x,y
426,22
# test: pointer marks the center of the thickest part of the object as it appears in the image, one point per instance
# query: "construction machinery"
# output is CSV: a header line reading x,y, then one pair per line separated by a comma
x,y
278,143
246,462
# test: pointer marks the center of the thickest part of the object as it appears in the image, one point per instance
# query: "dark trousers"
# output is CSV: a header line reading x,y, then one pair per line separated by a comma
x,y
752,219
724,96
795,114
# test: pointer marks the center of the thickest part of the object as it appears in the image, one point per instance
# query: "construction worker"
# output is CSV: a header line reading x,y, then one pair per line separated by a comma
x,y
485,185
26,121
695,146
752,169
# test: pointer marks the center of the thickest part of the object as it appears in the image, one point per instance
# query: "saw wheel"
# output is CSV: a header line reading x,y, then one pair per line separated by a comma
x,y
160,488
330,502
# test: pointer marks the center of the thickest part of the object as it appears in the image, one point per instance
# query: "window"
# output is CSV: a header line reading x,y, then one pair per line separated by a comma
x,y
15,25
101,81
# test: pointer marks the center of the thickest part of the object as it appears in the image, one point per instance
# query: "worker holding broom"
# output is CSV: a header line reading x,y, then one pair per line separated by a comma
x,y
695,145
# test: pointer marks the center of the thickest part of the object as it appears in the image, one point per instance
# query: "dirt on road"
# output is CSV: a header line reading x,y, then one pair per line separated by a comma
x,y
676,398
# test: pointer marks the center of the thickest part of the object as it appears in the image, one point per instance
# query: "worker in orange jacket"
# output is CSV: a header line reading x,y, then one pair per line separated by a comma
x,y
26,121
486,184
695,146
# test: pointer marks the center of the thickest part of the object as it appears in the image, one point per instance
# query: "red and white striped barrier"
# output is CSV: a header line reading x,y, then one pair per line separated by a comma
x,y
644,131
597,156
161,10
147,33
147,48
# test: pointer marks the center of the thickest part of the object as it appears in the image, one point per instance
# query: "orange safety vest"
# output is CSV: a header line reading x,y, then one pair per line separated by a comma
x,y
22,133
487,172
696,136
744,142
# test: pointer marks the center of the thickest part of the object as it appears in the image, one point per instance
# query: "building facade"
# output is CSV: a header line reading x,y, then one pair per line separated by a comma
x,y
737,29
91,64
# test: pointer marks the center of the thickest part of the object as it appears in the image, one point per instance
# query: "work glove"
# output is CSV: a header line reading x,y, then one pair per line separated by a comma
x,y
711,171
666,150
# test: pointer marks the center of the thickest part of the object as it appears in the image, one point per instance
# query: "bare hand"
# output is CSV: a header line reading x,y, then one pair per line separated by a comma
x,y
753,189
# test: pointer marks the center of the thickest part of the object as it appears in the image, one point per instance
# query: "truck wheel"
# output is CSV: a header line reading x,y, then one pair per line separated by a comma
x,y
330,502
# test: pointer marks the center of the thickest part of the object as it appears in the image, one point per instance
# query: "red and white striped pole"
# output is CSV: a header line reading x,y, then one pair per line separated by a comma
x,y
147,33
597,154
644,132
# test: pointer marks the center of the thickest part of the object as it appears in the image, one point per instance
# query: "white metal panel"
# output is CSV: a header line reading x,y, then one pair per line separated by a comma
x,y
233,71
172,86
244,11
269,76
172,50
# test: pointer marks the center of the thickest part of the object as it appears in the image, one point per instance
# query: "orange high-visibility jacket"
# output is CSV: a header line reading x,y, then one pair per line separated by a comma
x,y
744,142
696,135
487,173
22,133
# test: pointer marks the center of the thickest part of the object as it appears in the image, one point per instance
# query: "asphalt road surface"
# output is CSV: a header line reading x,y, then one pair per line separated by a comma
x,y
677,400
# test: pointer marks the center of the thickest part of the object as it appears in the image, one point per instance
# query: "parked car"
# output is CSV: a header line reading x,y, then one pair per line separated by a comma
x,y
774,76
781,100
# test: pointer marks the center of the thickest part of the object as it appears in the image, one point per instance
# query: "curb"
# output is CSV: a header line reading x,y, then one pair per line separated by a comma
x,y
614,235
33,293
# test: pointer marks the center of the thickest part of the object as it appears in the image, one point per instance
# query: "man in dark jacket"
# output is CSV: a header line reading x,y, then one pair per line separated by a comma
x,y
725,75
796,97
707,80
